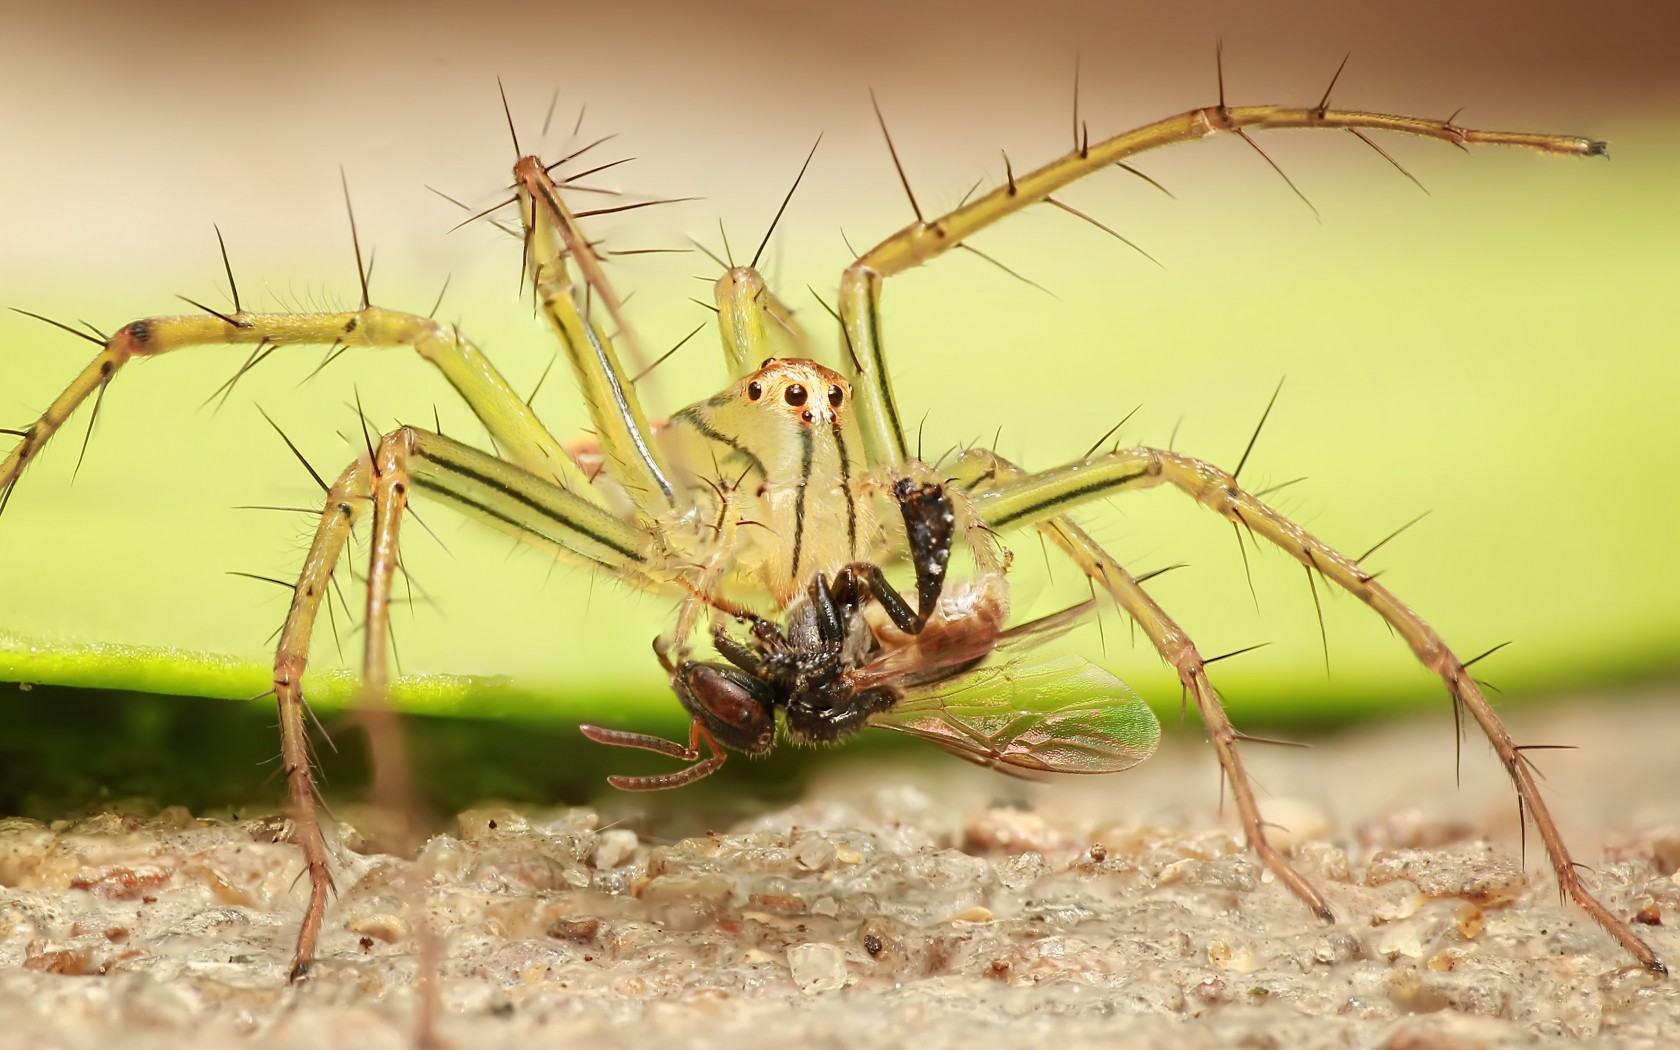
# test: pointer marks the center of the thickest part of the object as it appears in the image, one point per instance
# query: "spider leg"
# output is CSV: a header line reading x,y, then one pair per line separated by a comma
x,y
1044,496
515,429
530,506
988,472
926,239
554,245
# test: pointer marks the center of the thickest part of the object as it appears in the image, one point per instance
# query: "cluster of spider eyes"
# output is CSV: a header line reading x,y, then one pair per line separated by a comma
x,y
795,394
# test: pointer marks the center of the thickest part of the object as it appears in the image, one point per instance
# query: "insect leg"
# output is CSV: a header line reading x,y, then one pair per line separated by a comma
x,y
1047,494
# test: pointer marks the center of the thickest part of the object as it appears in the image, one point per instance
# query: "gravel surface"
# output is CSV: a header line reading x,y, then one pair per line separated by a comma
x,y
896,904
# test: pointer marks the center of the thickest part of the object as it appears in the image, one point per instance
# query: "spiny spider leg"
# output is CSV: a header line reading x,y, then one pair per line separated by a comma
x,y
1028,499
529,506
517,432
983,472
552,238
926,239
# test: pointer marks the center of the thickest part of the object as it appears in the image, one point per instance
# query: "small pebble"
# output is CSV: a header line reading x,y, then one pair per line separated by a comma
x,y
817,967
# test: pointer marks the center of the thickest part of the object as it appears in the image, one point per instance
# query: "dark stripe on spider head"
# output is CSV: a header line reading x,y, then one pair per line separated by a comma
x,y
691,415
846,490
807,449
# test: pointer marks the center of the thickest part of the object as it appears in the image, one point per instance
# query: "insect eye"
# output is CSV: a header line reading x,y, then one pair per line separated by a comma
x,y
835,396
754,391
795,395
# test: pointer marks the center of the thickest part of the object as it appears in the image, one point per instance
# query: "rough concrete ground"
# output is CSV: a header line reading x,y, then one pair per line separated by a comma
x,y
927,904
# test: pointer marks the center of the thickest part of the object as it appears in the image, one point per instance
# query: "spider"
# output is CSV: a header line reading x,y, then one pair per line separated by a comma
x,y
749,502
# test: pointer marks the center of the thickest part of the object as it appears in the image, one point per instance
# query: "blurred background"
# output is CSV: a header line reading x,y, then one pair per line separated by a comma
x,y
1497,352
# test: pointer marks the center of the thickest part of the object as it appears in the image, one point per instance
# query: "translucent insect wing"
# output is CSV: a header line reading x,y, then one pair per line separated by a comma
x,y
1062,716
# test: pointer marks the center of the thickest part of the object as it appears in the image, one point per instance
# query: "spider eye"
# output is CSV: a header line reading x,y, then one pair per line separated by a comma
x,y
795,395
754,391
766,363
835,396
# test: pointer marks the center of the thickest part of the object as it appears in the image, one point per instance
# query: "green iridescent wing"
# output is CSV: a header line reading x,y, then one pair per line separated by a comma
x,y
1062,716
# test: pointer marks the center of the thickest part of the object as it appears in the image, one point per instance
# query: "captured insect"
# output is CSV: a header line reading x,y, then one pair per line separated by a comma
x,y
831,671
779,504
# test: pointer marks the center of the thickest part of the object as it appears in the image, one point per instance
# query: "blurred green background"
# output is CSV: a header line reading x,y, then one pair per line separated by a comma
x,y
1498,352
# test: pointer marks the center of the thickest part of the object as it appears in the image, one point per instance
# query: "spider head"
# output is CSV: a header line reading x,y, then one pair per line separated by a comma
x,y
796,390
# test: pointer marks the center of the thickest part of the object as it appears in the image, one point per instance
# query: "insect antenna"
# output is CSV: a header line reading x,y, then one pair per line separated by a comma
x,y
903,179
785,201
